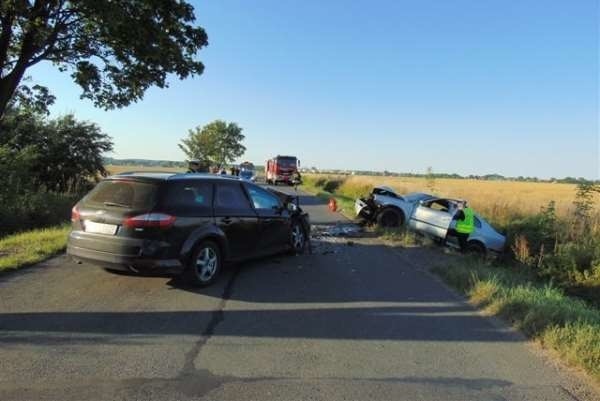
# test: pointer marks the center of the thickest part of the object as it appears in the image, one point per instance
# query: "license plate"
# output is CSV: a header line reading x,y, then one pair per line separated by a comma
x,y
99,228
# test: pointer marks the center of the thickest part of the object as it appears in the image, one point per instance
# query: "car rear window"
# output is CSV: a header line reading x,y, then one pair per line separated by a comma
x,y
123,193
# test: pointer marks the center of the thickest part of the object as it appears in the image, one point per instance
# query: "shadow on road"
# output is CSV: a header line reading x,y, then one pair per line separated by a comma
x,y
358,292
414,323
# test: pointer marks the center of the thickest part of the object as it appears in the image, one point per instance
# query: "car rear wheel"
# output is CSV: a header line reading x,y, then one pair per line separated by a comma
x,y
205,264
297,238
390,217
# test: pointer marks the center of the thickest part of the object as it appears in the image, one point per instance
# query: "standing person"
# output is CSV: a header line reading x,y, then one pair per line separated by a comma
x,y
464,226
197,166
193,166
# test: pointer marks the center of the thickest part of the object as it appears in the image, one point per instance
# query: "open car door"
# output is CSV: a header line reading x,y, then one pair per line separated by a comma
x,y
432,217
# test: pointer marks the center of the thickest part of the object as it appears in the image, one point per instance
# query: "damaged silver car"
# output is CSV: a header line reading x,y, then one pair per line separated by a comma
x,y
425,214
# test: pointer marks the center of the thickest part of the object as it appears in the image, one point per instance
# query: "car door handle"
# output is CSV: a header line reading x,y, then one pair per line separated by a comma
x,y
226,220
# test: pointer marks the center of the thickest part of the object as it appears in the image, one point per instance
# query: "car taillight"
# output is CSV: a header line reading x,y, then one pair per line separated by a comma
x,y
75,215
160,220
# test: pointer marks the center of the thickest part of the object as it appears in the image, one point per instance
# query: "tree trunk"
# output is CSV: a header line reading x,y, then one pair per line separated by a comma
x,y
8,86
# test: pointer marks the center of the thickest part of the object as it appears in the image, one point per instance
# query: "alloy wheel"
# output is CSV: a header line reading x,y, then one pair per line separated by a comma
x,y
297,237
206,263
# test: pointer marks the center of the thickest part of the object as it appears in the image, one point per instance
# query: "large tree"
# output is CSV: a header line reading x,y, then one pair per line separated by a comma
x,y
114,49
217,143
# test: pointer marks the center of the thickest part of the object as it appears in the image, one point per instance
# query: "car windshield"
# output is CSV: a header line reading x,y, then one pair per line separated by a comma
x,y
287,162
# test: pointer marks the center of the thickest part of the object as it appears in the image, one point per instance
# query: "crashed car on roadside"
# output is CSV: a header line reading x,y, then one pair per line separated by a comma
x,y
425,214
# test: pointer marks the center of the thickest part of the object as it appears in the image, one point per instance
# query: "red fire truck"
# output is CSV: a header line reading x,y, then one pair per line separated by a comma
x,y
282,169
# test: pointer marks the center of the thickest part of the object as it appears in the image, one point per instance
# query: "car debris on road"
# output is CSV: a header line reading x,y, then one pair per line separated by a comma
x,y
337,230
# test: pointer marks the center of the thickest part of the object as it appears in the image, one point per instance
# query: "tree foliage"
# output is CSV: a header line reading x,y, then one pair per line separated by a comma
x,y
218,143
114,49
57,155
584,204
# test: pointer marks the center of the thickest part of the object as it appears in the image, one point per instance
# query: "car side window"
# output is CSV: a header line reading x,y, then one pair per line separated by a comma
x,y
477,222
189,197
231,199
441,205
263,199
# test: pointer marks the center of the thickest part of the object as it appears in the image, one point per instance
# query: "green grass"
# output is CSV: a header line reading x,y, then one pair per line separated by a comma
x,y
345,204
541,311
400,236
27,248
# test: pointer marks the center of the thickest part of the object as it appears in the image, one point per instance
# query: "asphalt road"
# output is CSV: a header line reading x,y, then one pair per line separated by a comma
x,y
355,321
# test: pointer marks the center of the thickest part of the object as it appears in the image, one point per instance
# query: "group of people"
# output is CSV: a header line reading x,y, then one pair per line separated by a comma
x,y
197,166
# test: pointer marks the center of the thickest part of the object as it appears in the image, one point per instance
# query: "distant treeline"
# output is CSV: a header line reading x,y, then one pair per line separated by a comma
x,y
154,163
487,177
144,162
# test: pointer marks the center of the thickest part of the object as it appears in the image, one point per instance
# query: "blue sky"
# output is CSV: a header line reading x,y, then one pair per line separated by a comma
x,y
471,87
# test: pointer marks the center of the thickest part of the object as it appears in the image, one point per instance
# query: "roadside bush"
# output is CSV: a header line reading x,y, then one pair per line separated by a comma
x,y
35,209
319,182
556,252
332,185
534,235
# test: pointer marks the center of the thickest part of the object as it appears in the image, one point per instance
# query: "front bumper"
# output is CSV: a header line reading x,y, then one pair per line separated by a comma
x,y
363,209
283,178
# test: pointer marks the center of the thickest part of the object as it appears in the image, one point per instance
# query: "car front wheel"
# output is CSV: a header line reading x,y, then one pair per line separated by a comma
x,y
297,238
390,217
205,264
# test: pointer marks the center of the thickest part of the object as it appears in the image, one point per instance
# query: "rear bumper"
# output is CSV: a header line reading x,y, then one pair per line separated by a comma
x,y
119,253
123,262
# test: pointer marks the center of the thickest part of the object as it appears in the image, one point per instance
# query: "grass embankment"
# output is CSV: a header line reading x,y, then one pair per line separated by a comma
x,y
541,311
27,248
326,189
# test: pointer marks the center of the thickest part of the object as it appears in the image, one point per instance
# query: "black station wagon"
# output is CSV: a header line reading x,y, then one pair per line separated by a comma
x,y
182,223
